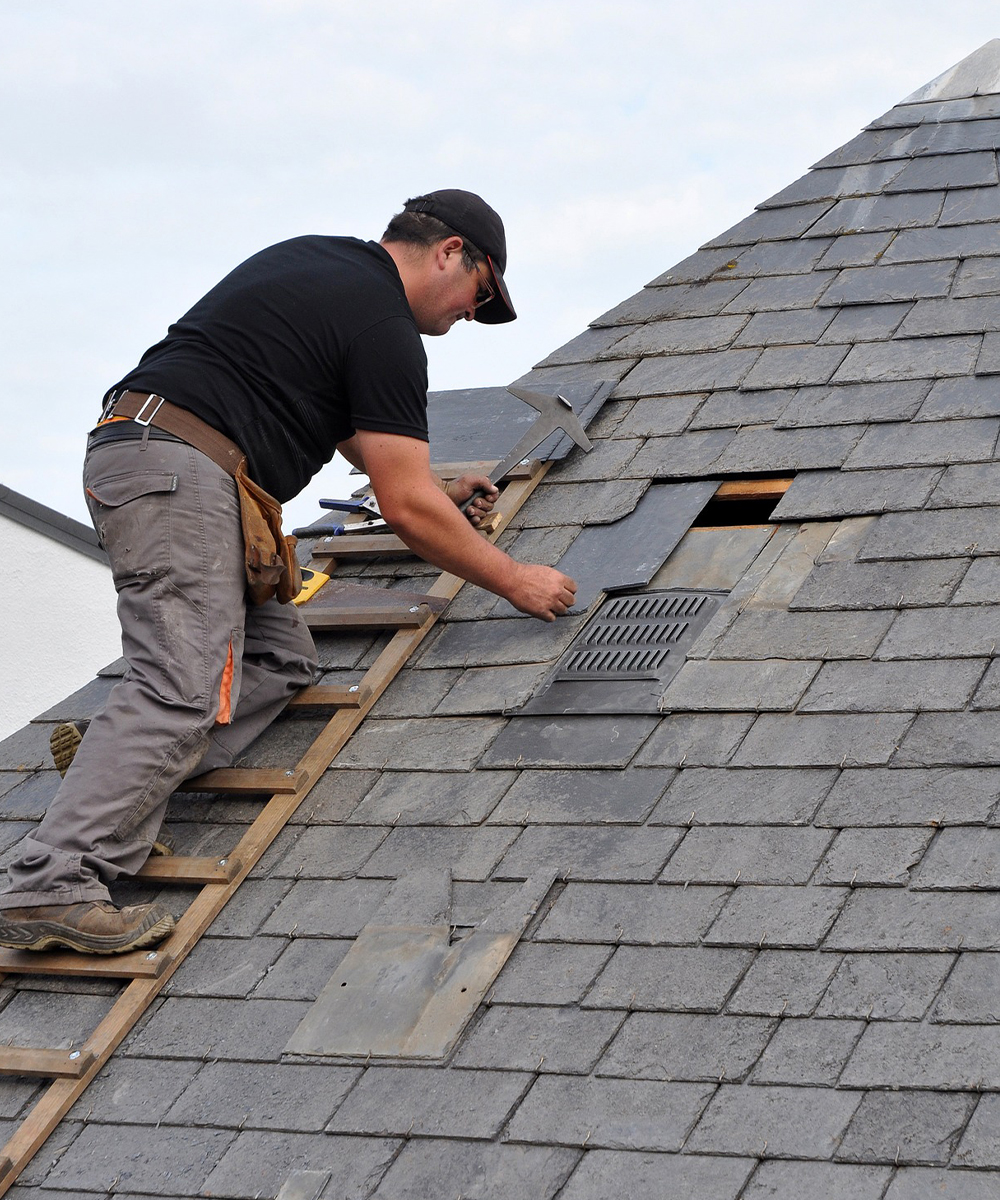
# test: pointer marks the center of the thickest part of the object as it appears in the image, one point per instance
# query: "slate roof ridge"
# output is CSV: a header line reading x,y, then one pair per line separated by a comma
x,y
977,74
50,523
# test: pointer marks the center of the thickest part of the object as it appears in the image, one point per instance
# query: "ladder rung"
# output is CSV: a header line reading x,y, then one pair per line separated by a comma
x,y
177,868
144,964
325,695
362,545
50,1064
413,616
244,780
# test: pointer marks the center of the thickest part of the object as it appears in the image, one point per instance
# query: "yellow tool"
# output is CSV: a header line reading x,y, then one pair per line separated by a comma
x,y
312,581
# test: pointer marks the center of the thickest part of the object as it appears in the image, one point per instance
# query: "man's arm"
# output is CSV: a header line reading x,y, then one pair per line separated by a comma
x,y
412,501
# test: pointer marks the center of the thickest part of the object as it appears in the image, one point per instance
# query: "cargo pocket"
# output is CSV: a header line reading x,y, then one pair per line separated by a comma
x,y
130,514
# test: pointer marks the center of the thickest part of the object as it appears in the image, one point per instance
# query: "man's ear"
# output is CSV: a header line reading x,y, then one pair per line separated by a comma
x,y
446,249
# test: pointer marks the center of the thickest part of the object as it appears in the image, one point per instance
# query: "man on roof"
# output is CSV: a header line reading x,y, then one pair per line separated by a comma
x,y
308,347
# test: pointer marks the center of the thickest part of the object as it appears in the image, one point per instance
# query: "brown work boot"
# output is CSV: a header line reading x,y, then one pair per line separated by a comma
x,y
64,742
91,926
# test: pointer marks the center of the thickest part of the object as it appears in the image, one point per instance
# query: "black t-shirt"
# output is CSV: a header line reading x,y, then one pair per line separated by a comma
x,y
293,351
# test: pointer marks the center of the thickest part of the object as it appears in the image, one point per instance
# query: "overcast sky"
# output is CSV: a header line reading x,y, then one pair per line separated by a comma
x,y
149,147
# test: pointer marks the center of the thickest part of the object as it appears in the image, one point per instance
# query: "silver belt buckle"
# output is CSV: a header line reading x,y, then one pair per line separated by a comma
x,y
145,404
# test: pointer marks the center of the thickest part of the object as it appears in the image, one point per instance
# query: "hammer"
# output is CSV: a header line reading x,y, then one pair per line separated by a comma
x,y
554,412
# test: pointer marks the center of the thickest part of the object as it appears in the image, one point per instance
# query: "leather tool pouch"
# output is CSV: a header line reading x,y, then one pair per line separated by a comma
x,y
271,566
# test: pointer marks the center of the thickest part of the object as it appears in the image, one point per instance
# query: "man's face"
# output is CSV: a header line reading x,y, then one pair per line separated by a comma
x,y
451,294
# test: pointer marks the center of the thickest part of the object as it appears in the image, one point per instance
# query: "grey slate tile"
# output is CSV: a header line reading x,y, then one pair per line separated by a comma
x,y
499,642
134,1091
937,317
478,1170
30,796
794,257
951,739
817,494
470,853
863,857
980,1144
980,585
780,292
323,909
565,1041
224,967
715,685
420,744
971,994
766,915
842,180
946,170
581,797
909,358
900,1054
687,373
762,449
730,797
795,1122
432,798
778,1180
771,225
856,249
700,299
262,1161
956,631
794,366
888,284
661,416
988,362
869,214
604,1173
901,584
585,347
241,1030
945,137
678,335
853,403
581,504
537,973
924,1183
689,454
587,852
414,693
726,854
885,986
263,1096
806,1051
607,741
328,852
955,241
27,749
977,277
730,408
773,634
901,686
894,919
614,1114
936,533
304,968
605,461
866,323
58,1022
700,740
822,740
430,1102
962,398
784,983
866,145
961,858
686,1046
803,326
969,205
632,914
681,979
882,797
906,1127
701,265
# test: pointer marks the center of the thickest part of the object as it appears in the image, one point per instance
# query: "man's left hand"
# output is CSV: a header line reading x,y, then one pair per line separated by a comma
x,y
459,490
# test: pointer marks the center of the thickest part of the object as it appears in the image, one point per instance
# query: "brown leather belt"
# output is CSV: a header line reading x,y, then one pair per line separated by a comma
x,y
153,410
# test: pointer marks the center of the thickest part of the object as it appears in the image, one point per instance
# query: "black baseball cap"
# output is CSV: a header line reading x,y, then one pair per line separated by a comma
x,y
472,218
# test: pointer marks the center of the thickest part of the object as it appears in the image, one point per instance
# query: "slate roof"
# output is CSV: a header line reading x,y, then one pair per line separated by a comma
x,y
769,966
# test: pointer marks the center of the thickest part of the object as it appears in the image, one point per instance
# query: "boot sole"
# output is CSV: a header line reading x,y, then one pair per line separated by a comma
x,y
64,742
47,934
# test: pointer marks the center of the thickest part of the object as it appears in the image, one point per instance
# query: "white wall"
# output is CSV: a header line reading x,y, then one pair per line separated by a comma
x,y
58,622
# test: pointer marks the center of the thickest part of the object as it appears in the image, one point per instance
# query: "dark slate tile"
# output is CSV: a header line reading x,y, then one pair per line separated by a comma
x,y
687,373
580,503
688,455
611,1113
960,398
935,318
418,745
564,1041
334,796
957,241
795,366
730,797
434,1167
606,461
702,265
864,146
797,327
804,1051
849,585
263,1096
780,292
885,987
746,854
951,739
882,797
604,1173
988,693
796,257
769,633
701,299
724,409
328,852
939,442
893,919
856,250
817,494
699,740
863,857
393,1100
950,171
980,1144
27,749
961,859
866,323
581,797
716,685
134,1091
31,796
977,277
988,362
224,967
570,741
870,214
784,983
681,979
662,416
969,205
946,137
901,1054
772,225
587,375
906,1127
432,798
686,1046
936,684
241,1030
414,693
585,347
910,358
539,973
261,1162
922,1183
889,284
632,914
303,969
854,403
587,852
679,335
971,993
470,853
44,1019
314,908
955,631
800,1122
778,1180
797,917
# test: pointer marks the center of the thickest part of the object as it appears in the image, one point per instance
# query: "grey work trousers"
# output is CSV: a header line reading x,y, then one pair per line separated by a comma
x,y
206,673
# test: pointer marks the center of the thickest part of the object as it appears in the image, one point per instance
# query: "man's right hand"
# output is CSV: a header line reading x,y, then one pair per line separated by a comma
x,y
541,592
